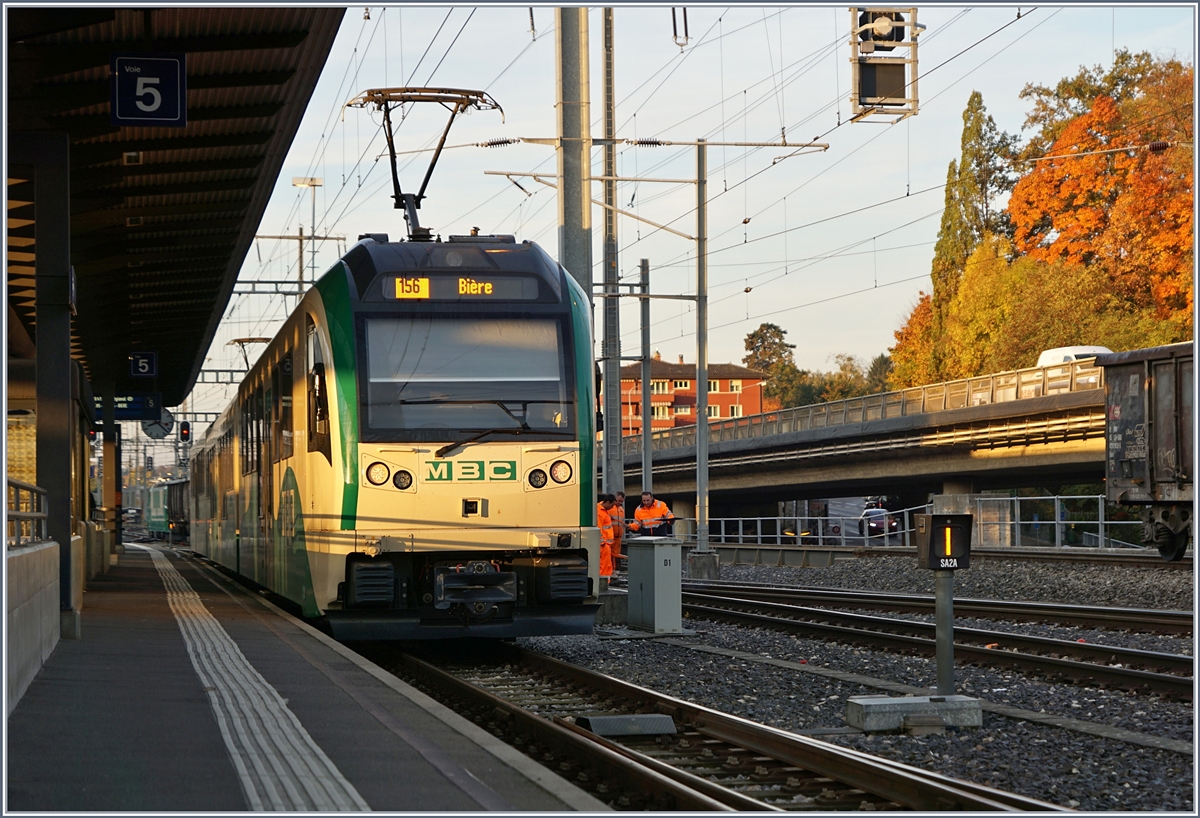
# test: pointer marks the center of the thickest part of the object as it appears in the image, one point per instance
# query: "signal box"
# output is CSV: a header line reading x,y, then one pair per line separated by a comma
x,y
944,541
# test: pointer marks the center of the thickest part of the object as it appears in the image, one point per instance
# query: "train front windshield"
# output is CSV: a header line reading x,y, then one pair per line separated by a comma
x,y
432,378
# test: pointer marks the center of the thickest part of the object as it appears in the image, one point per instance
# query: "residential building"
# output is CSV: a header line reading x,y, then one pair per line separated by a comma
x,y
733,391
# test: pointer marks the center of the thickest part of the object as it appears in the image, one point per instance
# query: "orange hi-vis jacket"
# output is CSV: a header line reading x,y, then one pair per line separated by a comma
x,y
604,520
617,513
652,517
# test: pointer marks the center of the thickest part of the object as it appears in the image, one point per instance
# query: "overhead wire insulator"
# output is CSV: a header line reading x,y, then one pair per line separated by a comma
x,y
645,143
1158,147
496,143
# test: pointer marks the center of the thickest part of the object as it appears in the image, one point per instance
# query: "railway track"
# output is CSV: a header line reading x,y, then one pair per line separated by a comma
x,y
1126,668
780,554
1140,620
673,755
1141,558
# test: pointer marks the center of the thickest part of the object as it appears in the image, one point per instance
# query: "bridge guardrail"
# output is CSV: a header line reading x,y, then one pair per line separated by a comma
x,y
1021,384
25,514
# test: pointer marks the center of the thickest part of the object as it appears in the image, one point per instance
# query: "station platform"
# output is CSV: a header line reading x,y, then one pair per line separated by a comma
x,y
189,693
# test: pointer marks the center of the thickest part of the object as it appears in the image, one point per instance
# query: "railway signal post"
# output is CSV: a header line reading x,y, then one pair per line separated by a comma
x,y
944,545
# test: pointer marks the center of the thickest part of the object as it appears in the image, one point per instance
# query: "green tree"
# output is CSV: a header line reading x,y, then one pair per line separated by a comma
x,y
979,315
878,372
1061,304
766,348
767,351
795,387
847,381
981,175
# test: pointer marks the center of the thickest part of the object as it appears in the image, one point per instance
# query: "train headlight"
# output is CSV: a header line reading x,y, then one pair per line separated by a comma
x,y
378,474
537,478
560,472
402,480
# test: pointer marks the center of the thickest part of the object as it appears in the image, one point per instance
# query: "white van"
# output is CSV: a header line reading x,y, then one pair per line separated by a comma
x,y
1064,355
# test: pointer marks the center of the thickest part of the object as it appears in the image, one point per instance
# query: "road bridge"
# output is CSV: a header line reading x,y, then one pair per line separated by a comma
x,y
1040,426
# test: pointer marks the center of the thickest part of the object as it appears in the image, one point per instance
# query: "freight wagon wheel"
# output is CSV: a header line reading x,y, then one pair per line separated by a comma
x,y
1171,546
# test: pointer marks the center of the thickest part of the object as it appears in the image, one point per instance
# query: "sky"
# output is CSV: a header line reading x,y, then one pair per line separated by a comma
x,y
834,246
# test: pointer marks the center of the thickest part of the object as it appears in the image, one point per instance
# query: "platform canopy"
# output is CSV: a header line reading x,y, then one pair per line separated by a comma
x,y
161,216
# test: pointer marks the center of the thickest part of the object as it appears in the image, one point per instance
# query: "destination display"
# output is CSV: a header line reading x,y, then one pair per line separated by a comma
x,y
137,406
461,288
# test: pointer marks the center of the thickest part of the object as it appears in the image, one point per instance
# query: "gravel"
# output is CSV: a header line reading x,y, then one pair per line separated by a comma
x,y
1054,764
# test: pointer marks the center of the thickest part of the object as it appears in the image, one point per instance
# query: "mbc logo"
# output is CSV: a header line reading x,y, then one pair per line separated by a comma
x,y
470,470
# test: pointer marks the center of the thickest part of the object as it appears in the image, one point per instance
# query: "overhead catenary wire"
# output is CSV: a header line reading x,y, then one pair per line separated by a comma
x,y
957,55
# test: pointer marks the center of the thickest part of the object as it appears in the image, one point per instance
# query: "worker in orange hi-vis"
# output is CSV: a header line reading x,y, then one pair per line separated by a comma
x,y
604,520
618,517
652,517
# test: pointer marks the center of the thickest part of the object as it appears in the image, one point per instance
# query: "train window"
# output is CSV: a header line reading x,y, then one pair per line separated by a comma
x,y
427,375
245,447
283,392
318,395
256,430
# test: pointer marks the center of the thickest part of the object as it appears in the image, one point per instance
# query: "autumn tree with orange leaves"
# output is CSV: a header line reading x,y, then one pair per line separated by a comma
x,y
1101,233
1115,190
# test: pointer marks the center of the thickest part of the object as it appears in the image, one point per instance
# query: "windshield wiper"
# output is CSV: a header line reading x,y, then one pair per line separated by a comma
x,y
503,408
526,430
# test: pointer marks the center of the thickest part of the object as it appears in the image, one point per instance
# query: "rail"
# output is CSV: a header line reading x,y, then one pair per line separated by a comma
x,y
1002,387
25,514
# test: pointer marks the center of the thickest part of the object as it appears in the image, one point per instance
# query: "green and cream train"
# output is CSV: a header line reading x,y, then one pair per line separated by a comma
x,y
411,457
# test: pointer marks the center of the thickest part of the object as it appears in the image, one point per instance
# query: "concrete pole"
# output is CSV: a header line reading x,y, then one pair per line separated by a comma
x,y
111,463
647,451
574,145
614,460
702,346
49,154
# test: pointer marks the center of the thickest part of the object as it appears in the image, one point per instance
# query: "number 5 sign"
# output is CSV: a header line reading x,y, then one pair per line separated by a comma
x,y
149,90
143,364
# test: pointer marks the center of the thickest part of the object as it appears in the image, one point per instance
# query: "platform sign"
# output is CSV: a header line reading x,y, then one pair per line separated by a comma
x,y
149,90
143,364
137,406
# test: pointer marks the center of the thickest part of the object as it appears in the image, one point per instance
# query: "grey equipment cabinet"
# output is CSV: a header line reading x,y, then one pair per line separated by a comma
x,y
654,570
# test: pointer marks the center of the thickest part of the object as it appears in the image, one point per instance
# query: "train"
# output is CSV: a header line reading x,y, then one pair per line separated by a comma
x,y
168,510
412,455
1150,411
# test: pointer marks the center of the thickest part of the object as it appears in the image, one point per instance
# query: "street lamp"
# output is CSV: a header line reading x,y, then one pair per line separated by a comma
x,y
312,183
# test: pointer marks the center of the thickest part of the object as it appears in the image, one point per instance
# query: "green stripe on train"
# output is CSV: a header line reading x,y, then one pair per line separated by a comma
x,y
586,402
335,293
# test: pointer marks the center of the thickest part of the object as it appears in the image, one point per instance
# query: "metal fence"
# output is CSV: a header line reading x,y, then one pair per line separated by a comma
x,y
1054,522
25,514
1028,522
1021,384
791,530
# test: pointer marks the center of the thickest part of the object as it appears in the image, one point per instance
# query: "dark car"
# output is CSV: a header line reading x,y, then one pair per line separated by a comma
x,y
876,522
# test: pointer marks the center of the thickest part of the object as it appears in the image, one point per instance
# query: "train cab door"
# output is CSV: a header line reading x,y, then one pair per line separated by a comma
x,y
319,451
